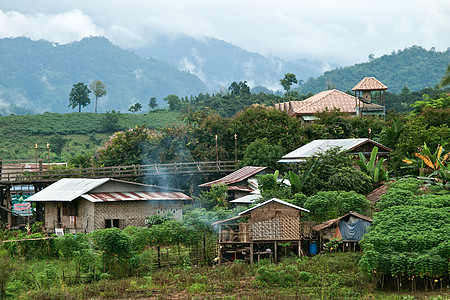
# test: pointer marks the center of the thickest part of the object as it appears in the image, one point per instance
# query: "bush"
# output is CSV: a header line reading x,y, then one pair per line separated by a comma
x,y
115,248
333,204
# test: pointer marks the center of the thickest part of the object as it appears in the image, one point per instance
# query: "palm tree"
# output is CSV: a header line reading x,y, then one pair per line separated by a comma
x,y
446,79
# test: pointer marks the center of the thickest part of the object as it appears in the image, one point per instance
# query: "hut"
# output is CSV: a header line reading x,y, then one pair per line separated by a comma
x,y
85,205
348,229
261,228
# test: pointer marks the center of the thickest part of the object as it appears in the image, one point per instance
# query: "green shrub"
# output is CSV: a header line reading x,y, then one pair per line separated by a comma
x,y
115,248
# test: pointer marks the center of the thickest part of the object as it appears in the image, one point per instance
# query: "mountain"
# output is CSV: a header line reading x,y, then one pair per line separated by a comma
x,y
37,76
219,63
413,67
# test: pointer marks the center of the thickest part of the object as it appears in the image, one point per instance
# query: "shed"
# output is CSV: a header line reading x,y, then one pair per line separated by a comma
x,y
85,205
352,146
349,228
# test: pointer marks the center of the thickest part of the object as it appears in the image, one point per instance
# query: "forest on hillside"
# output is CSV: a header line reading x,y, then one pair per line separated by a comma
x,y
37,76
415,68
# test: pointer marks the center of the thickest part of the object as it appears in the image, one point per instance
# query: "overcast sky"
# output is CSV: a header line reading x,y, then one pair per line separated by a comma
x,y
341,31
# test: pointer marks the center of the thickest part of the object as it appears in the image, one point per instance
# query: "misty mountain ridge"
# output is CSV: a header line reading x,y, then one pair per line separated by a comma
x,y
37,76
218,63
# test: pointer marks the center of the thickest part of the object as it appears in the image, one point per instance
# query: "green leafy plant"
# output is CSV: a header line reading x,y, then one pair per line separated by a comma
x,y
375,170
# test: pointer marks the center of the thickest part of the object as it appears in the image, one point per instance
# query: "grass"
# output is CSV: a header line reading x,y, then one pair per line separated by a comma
x,y
331,276
83,131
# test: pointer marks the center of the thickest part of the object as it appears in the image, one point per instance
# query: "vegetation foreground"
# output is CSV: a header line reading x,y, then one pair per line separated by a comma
x,y
330,276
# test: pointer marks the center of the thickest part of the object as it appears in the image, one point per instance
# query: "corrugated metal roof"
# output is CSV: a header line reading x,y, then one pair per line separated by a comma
x,y
135,196
249,199
328,223
236,176
369,84
274,200
67,189
317,146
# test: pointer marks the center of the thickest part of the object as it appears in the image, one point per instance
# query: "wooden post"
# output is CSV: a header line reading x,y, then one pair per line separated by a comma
x,y
251,253
191,185
275,252
159,256
219,254
8,206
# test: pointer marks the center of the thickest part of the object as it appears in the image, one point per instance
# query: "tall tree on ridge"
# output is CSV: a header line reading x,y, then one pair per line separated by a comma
x,y
287,81
99,90
79,96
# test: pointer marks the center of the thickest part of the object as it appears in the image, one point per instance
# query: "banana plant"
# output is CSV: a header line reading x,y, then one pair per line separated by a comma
x,y
371,168
431,162
444,174
298,181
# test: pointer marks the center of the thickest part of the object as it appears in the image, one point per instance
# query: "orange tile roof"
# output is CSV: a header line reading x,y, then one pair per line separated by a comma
x,y
369,84
331,99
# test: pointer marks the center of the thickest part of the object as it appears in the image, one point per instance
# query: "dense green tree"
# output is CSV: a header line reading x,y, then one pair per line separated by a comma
x,y
126,148
240,88
334,170
326,205
261,153
152,103
136,107
99,90
288,80
173,101
259,122
438,101
445,81
110,121
79,96
216,196
57,143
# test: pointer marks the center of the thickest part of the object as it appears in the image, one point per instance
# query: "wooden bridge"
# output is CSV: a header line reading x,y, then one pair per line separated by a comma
x,y
38,172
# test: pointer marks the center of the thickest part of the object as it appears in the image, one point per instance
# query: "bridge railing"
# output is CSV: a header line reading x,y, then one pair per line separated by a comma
x,y
22,175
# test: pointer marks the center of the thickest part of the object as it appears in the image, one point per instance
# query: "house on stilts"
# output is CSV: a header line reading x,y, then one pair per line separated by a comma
x,y
262,231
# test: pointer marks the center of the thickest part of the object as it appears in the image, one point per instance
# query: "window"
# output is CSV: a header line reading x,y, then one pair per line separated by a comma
x,y
110,223
70,208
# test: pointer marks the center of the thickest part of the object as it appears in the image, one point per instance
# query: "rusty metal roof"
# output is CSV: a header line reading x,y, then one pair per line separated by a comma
x,y
241,188
328,223
369,84
236,176
135,196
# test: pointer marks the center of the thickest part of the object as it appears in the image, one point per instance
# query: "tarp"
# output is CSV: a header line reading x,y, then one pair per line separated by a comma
x,y
354,229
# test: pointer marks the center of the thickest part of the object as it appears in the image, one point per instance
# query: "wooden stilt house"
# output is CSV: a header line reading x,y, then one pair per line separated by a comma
x,y
259,231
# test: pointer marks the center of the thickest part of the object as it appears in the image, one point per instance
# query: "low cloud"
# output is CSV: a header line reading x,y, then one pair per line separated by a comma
x,y
345,31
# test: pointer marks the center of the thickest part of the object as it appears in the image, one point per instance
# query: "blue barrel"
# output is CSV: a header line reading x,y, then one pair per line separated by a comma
x,y
312,248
